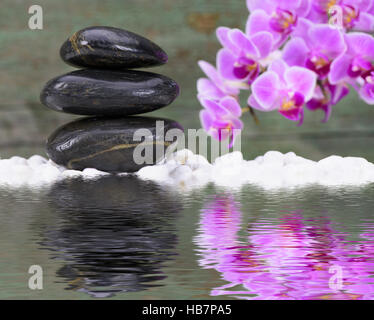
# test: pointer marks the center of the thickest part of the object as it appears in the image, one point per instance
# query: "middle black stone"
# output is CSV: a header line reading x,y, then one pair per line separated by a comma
x,y
109,93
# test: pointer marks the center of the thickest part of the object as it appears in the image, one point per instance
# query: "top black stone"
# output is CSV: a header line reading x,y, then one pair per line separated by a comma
x,y
111,48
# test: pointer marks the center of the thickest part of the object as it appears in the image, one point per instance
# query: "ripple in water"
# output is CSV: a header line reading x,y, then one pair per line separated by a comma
x,y
289,256
110,241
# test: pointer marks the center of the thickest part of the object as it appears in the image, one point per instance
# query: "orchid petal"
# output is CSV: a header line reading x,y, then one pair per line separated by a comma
x,y
360,44
206,119
210,71
265,5
207,88
225,64
265,89
295,52
213,107
327,39
301,80
279,67
252,102
365,22
232,105
258,21
263,42
223,37
302,28
304,8
242,41
367,93
294,114
339,69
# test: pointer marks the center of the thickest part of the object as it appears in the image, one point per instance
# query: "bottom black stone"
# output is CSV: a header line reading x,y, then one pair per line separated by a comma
x,y
112,145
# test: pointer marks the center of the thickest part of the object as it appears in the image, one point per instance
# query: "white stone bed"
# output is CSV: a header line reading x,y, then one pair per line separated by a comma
x,y
187,170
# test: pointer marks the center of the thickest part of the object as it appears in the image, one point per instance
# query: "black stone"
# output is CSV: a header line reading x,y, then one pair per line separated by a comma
x,y
108,144
109,93
111,48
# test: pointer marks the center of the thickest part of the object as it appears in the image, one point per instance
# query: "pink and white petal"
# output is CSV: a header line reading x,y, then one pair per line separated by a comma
x,y
207,88
263,42
295,52
231,105
339,69
252,102
279,66
206,119
258,21
301,80
220,129
294,114
265,89
214,107
225,64
302,28
210,71
339,92
322,36
266,5
316,16
304,8
243,42
363,5
365,22
237,123
223,37
367,96
360,44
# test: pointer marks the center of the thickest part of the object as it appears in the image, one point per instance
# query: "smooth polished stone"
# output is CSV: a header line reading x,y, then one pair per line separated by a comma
x,y
111,48
109,93
109,144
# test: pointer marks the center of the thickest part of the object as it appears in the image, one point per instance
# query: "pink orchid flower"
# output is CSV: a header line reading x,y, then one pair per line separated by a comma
x,y
221,119
285,89
243,57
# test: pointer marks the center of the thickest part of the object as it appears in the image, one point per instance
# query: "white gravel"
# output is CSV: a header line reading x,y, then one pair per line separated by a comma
x,y
185,169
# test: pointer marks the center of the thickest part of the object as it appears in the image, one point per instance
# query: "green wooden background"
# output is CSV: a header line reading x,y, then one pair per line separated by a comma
x,y
185,29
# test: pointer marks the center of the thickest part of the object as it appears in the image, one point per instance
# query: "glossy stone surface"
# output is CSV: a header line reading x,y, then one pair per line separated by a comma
x,y
109,93
111,48
108,144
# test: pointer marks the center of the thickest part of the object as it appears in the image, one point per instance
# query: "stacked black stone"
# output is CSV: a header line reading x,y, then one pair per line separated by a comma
x,y
108,90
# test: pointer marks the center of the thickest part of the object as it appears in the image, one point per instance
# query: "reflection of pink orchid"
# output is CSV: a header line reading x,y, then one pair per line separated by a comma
x,y
283,88
286,260
221,119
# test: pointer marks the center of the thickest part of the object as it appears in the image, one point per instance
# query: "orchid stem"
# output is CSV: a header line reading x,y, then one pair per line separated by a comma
x,y
253,114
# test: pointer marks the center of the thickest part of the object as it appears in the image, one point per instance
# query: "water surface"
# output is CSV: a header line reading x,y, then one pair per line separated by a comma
x,y
122,238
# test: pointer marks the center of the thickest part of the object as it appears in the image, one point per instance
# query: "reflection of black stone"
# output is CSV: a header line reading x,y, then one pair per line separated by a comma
x,y
114,233
109,93
111,48
107,144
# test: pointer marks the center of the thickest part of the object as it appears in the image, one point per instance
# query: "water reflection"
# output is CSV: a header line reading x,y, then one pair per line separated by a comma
x,y
289,256
113,234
